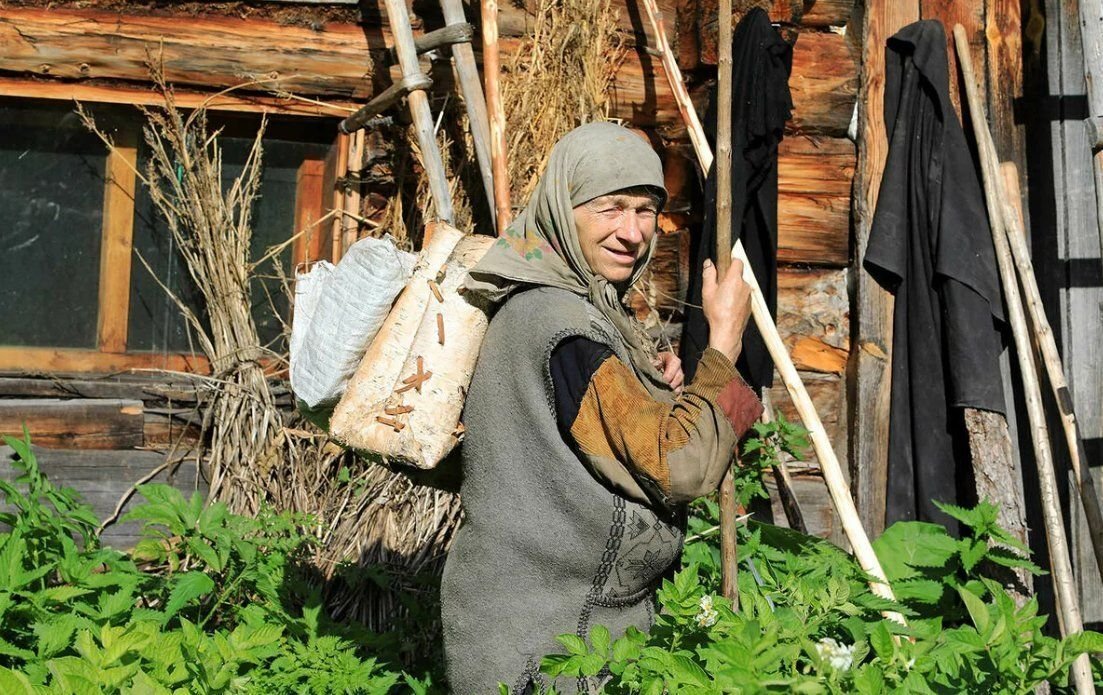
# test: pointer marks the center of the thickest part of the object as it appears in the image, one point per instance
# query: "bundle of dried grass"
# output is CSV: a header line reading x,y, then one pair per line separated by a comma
x,y
560,79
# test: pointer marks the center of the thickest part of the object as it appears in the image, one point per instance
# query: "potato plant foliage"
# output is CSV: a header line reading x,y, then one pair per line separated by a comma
x,y
808,622
207,602
212,602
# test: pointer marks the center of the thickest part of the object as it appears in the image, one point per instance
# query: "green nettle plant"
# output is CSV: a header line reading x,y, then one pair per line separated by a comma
x,y
208,602
808,622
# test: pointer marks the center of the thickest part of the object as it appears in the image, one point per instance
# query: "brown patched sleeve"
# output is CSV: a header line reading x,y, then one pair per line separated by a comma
x,y
678,451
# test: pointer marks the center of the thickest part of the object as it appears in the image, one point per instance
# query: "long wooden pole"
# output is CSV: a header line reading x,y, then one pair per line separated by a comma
x,y
491,67
729,560
467,73
829,463
1068,604
1051,358
399,19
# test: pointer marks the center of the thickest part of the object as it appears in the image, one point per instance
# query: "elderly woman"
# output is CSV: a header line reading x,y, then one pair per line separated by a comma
x,y
582,445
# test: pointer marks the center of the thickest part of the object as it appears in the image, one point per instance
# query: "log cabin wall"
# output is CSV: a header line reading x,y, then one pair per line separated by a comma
x,y
324,50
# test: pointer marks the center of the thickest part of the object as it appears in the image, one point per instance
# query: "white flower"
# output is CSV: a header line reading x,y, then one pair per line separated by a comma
x,y
839,656
707,617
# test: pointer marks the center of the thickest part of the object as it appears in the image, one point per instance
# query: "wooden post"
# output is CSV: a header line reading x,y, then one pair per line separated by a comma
x,y
829,463
869,378
399,20
729,561
999,220
117,242
491,67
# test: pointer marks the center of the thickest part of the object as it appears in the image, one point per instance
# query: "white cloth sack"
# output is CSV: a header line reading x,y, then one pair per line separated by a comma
x,y
338,311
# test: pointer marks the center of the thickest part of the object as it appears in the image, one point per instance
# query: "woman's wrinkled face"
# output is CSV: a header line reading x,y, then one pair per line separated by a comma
x,y
615,231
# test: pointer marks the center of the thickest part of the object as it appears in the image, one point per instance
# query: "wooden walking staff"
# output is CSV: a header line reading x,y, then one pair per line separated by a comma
x,y
829,463
491,67
729,560
399,20
1067,601
1047,345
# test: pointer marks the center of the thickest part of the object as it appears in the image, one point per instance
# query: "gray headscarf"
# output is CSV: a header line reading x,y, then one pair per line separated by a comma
x,y
541,247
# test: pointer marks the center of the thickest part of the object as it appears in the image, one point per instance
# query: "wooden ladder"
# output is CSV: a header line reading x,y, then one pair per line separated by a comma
x,y
457,33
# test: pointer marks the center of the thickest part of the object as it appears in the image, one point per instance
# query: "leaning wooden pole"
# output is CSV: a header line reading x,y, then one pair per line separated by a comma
x,y
467,73
399,20
1051,358
829,463
729,550
1064,585
503,214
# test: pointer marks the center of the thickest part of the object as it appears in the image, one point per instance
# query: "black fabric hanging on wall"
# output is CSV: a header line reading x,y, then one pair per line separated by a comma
x,y
761,104
930,245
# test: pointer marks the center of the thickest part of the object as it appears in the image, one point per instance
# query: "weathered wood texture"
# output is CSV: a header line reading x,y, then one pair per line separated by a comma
x,y
828,392
989,441
815,505
218,52
824,81
813,307
1004,47
84,423
1069,264
102,477
970,14
868,381
814,182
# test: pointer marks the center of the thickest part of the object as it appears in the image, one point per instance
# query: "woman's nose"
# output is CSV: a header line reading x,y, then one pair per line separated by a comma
x,y
631,229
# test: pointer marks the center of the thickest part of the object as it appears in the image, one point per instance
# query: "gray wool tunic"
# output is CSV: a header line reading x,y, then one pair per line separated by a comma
x,y
544,548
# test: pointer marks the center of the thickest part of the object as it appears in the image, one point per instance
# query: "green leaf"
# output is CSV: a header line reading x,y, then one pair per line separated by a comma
x,y
972,552
907,545
688,672
881,640
977,610
919,590
14,683
599,640
186,589
1087,641
61,594
202,550
573,643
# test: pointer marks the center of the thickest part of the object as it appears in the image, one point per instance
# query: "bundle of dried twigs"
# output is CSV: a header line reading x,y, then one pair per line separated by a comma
x,y
560,79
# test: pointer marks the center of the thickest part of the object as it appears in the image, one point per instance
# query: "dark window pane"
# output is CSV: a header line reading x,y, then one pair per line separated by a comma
x,y
155,321
51,203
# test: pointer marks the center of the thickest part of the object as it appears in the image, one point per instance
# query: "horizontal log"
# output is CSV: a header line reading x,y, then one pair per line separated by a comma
x,y
128,387
82,423
188,99
164,432
59,360
220,52
101,478
814,176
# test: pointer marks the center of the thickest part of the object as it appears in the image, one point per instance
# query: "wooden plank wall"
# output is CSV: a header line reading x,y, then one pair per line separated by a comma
x,y
102,477
1067,259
